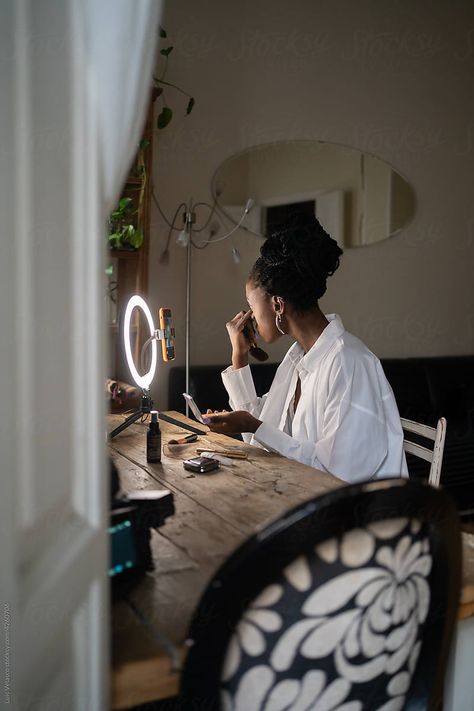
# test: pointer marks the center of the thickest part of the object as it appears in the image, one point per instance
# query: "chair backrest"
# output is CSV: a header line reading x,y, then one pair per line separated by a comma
x,y
348,600
434,456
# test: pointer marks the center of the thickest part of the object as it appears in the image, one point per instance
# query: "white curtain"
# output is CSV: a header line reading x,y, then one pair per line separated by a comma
x,y
121,38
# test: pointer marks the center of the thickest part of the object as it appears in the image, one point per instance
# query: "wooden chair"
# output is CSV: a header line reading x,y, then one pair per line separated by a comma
x,y
347,601
434,456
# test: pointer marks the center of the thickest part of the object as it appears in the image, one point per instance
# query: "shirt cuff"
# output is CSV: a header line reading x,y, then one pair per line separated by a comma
x,y
239,384
272,438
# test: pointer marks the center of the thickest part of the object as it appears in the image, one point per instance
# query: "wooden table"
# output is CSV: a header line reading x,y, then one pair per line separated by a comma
x,y
214,514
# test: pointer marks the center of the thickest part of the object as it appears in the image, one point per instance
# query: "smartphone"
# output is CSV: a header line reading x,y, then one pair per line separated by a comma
x,y
193,407
167,342
201,465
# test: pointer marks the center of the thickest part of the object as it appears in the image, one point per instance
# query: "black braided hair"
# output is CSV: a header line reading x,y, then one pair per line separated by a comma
x,y
296,261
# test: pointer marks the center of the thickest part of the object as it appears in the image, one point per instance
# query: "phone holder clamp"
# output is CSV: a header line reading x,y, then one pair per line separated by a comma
x,y
162,333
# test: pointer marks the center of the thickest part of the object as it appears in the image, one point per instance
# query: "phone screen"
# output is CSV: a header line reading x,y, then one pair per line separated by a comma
x,y
167,343
193,407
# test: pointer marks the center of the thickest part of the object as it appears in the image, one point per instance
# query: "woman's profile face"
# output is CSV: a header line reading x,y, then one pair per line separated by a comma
x,y
262,311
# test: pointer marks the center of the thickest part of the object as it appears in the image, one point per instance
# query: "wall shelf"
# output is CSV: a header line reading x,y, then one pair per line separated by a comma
x,y
131,266
134,180
127,254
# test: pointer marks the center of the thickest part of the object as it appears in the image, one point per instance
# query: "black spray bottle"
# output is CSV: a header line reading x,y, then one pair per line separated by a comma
x,y
153,439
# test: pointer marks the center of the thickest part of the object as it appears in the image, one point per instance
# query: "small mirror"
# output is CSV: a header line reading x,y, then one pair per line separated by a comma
x,y
358,198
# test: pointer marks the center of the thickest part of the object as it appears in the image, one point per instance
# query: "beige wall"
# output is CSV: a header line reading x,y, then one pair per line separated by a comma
x,y
392,79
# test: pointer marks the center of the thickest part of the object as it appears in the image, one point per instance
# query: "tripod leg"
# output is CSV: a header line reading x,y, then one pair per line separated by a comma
x,y
184,425
126,423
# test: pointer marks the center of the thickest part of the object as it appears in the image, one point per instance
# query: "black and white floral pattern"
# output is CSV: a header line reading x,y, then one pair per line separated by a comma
x,y
362,601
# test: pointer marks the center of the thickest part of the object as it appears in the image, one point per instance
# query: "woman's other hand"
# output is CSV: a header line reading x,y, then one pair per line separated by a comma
x,y
240,343
231,422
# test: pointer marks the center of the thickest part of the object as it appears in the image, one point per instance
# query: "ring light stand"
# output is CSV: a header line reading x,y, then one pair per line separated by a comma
x,y
144,381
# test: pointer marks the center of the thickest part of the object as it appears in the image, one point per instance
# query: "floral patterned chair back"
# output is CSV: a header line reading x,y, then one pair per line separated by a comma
x,y
347,602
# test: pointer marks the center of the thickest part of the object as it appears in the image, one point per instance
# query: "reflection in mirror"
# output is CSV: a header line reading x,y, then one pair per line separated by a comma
x,y
358,198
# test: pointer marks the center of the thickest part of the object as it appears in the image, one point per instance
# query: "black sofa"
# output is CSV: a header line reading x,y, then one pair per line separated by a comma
x,y
425,389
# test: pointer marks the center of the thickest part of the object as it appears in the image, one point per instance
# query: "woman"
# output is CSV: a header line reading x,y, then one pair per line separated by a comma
x,y
330,404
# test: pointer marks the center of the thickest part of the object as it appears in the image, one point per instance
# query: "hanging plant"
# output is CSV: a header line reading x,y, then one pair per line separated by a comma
x,y
123,230
166,113
123,234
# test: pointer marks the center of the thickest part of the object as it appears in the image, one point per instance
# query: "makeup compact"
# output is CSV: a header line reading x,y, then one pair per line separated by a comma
x,y
201,465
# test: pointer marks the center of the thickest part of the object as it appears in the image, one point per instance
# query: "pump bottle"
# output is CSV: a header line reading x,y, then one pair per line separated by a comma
x,y
153,439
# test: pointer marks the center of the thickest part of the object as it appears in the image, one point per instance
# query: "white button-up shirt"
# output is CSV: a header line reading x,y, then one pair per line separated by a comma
x,y
346,421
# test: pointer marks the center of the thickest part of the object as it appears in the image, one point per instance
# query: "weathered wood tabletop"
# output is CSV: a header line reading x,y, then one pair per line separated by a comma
x,y
214,513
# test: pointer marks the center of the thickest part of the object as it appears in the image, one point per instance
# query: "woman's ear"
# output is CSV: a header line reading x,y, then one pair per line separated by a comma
x,y
278,304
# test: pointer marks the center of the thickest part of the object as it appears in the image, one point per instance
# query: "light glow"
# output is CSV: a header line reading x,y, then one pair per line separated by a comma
x,y
142,381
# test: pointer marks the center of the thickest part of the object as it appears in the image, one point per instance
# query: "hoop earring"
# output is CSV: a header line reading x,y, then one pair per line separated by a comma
x,y
278,324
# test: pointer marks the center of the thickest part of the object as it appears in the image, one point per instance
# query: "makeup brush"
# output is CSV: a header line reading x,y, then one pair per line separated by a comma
x,y
184,440
258,353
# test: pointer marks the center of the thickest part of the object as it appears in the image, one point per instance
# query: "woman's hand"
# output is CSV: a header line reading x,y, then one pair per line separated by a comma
x,y
240,343
231,422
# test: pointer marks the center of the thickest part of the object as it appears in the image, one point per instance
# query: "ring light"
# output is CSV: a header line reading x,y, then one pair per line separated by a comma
x,y
143,381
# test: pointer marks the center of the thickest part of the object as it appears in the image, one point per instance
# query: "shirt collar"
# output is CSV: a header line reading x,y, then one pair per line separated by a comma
x,y
307,361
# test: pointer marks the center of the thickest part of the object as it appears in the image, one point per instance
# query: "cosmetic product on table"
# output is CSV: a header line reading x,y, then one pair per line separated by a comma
x,y
153,439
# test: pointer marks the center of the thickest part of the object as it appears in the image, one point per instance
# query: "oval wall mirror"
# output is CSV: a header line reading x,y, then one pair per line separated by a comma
x,y
358,198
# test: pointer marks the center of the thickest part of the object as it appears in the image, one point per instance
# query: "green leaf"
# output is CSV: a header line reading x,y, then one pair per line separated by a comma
x,y
190,105
136,240
109,270
165,117
165,52
162,32
124,204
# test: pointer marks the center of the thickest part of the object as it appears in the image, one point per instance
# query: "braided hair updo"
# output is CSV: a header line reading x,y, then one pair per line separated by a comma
x,y
296,261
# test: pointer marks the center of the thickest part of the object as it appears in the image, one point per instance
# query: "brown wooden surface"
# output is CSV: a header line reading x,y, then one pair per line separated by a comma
x,y
214,514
